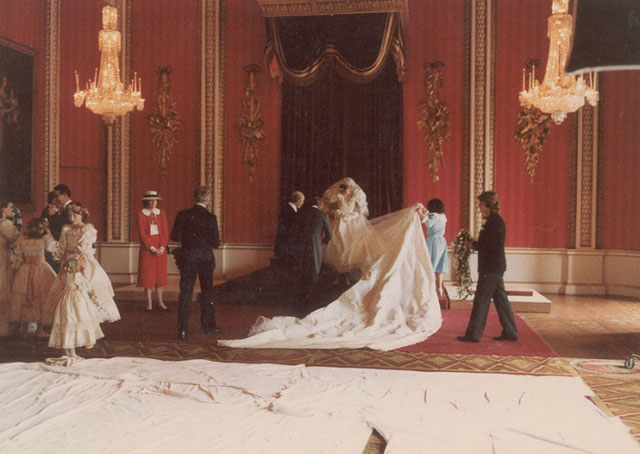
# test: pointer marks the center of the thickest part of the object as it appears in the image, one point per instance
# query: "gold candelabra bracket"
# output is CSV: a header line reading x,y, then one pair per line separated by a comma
x,y
436,119
532,128
165,123
251,124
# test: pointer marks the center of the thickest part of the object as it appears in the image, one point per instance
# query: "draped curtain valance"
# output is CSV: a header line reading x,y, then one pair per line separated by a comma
x,y
356,46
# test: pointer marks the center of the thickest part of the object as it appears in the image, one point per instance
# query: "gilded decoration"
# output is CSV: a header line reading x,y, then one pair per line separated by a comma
x,y
165,123
532,129
436,119
250,124
51,95
279,8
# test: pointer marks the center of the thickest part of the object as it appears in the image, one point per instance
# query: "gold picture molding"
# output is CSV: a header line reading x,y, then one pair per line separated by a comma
x,y
280,8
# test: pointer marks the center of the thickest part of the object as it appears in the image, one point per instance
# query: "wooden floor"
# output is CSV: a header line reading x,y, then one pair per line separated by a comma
x,y
589,326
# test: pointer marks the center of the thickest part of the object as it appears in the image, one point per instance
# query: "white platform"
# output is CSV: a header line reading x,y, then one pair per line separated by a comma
x,y
522,299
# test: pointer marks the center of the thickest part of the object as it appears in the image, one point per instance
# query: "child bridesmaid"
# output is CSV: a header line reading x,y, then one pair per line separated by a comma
x,y
33,279
83,291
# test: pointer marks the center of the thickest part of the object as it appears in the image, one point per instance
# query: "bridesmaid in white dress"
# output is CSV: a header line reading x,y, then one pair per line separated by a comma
x,y
9,233
33,279
83,291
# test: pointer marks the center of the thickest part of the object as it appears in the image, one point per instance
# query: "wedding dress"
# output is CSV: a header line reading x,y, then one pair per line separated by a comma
x,y
355,244
394,304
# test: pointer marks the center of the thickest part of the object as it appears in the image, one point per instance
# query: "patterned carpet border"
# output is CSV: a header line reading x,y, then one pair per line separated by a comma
x,y
618,392
21,350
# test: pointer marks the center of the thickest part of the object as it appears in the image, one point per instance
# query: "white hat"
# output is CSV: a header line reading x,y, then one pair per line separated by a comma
x,y
151,195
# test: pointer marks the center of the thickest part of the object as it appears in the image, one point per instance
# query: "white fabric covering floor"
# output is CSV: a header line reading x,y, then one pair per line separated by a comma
x,y
138,405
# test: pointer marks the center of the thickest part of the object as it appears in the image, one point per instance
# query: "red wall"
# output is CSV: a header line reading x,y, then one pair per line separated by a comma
x,y
435,33
23,22
166,35
536,213
82,133
620,177
251,207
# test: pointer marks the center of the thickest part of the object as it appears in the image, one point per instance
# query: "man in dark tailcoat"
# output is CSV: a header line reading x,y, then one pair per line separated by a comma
x,y
285,245
63,195
197,231
313,231
492,264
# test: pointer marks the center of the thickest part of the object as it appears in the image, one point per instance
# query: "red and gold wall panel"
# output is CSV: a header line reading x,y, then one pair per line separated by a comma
x,y
251,206
82,133
435,33
620,179
166,34
536,212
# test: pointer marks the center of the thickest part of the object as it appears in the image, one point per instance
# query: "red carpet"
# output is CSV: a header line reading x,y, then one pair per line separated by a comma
x,y
235,319
454,323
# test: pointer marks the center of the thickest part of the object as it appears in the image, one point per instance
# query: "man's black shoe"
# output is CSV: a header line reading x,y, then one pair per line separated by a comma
x,y
502,337
466,339
209,331
182,335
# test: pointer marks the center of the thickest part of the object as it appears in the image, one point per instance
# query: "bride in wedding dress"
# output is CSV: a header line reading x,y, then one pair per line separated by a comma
x,y
355,244
394,304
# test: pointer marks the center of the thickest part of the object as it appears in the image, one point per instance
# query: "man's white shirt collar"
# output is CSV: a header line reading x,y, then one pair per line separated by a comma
x,y
147,211
66,203
295,208
202,205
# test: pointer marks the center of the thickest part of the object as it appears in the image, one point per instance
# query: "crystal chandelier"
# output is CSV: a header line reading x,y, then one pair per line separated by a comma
x,y
560,93
105,94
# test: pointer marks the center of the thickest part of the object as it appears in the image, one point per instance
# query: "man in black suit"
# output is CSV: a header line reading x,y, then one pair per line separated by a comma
x,y
313,231
492,264
285,247
63,195
197,231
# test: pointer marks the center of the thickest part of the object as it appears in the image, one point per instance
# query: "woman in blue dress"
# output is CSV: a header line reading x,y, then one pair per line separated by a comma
x,y
436,221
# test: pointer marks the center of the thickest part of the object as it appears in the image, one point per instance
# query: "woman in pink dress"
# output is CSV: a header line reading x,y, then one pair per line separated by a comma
x,y
152,262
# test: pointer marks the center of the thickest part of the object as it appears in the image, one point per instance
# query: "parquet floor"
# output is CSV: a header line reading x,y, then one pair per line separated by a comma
x,y
589,326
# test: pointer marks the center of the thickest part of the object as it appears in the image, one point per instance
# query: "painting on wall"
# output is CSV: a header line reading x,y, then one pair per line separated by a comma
x,y
16,123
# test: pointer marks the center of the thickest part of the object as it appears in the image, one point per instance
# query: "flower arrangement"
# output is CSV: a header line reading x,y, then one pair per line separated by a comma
x,y
461,255
93,296
73,264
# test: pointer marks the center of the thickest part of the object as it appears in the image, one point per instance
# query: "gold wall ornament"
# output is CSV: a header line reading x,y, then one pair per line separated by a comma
x,y
165,123
250,124
436,119
532,128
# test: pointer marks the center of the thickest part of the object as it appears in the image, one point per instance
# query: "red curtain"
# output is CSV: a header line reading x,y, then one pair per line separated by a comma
x,y
335,128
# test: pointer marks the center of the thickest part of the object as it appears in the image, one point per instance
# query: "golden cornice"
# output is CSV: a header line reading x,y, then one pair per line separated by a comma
x,y
279,8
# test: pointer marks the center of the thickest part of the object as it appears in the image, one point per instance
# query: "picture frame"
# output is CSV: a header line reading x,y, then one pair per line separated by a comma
x,y
17,83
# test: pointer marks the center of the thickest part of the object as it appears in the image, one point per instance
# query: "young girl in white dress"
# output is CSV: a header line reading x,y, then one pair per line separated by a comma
x,y
83,291
33,279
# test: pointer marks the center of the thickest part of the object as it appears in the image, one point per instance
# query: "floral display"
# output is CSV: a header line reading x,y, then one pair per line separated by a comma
x,y
461,255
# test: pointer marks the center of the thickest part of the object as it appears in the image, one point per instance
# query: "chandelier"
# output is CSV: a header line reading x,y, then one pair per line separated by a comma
x,y
105,94
560,93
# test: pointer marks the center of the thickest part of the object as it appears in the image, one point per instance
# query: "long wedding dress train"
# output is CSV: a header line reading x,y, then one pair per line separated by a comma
x,y
394,304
